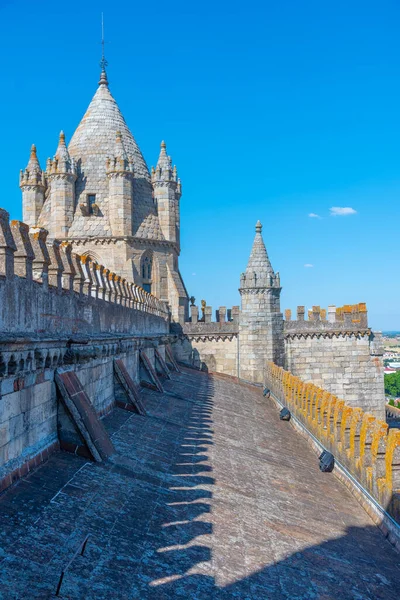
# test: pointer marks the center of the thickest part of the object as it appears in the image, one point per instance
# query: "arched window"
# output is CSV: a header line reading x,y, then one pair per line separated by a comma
x,y
147,266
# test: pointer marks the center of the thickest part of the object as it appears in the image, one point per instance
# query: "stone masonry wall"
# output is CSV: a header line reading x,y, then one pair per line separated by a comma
x,y
45,289
212,354
340,355
260,333
29,403
206,344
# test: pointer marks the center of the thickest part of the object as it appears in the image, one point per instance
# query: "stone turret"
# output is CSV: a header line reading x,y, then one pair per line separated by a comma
x,y
119,170
261,322
61,174
167,193
33,184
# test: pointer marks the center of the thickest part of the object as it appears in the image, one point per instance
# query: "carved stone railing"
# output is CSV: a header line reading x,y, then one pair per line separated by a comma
x,y
365,446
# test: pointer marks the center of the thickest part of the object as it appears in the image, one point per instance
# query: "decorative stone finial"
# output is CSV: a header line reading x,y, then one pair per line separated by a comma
x,y
258,227
62,137
163,145
103,78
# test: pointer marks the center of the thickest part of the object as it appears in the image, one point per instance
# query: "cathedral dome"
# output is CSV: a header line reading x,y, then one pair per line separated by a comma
x,y
92,143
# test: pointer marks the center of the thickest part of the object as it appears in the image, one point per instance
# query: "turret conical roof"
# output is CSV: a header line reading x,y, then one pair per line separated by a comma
x,y
259,262
33,165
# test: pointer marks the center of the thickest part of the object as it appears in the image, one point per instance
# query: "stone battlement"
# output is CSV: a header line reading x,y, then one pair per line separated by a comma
x,y
206,344
201,324
363,444
45,288
353,317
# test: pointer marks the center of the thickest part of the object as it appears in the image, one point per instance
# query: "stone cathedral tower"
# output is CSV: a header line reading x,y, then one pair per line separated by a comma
x,y
98,194
261,322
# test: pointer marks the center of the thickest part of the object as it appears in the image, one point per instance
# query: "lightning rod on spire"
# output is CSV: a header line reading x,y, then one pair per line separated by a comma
x,y
103,62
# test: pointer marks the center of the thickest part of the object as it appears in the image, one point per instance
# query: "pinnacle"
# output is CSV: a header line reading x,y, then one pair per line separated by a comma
x,y
33,164
164,161
62,152
119,146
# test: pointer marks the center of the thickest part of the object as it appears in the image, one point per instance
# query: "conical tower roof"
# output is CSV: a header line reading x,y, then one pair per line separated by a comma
x,y
33,165
94,138
92,143
164,161
62,151
259,262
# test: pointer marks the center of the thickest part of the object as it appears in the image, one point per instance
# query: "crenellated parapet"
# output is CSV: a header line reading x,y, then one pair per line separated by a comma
x,y
33,270
362,443
202,327
332,321
206,343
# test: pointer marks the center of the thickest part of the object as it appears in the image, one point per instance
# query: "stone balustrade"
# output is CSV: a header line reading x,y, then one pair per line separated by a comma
x,y
363,444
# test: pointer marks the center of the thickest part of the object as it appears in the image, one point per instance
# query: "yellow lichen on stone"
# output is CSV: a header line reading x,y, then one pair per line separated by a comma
x,y
367,423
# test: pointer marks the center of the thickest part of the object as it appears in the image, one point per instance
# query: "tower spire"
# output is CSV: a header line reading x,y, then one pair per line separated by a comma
x,y
103,62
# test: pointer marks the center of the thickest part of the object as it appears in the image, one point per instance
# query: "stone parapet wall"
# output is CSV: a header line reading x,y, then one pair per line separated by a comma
x,y
201,320
206,344
392,414
59,309
215,352
347,363
364,445
347,317
46,289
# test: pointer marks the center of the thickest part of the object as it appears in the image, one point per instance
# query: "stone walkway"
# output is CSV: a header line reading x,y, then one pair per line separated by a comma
x,y
210,496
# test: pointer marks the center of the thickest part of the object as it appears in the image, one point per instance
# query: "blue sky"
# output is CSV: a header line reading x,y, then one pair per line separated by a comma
x,y
270,110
